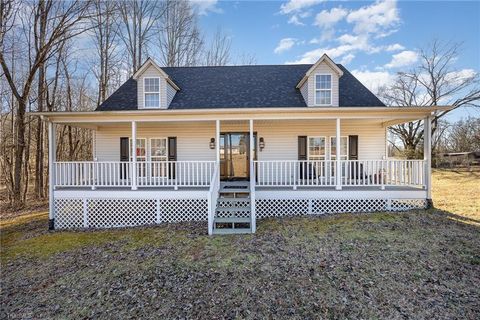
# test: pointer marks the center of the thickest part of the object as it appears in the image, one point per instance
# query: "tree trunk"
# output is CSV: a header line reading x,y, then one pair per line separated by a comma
x,y
19,149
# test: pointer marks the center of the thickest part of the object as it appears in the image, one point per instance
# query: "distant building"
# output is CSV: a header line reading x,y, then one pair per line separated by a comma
x,y
460,158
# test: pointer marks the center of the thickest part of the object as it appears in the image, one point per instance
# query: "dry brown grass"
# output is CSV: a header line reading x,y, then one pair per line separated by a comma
x,y
458,192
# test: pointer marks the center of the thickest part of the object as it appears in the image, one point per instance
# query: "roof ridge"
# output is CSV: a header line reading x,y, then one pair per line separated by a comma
x,y
245,65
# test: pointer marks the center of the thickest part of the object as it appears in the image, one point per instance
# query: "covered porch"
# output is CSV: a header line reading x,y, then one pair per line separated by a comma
x,y
304,158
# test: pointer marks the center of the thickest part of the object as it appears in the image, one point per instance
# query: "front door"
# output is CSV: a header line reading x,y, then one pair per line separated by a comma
x,y
235,155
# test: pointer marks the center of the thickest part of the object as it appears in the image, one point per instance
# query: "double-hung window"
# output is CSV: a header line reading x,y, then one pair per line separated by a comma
x,y
152,92
343,152
343,148
141,151
316,148
158,156
158,149
323,89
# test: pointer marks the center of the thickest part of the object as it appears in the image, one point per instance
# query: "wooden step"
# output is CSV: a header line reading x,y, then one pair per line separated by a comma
x,y
232,220
233,190
235,183
239,195
233,209
232,231
233,200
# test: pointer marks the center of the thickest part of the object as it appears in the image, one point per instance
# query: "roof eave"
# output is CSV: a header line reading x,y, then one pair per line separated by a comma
x,y
244,110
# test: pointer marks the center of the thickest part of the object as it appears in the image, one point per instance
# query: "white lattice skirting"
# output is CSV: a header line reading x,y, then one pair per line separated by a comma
x,y
290,207
72,213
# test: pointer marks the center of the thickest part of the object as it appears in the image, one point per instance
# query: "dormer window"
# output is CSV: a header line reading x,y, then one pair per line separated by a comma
x,y
323,89
152,92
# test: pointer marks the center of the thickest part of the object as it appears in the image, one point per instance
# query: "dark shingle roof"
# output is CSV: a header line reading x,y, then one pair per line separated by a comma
x,y
260,86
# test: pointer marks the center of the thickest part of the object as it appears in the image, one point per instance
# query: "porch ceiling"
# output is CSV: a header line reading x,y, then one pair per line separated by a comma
x,y
386,115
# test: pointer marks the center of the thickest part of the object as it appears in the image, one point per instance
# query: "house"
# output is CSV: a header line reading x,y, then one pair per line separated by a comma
x,y
450,159
233,144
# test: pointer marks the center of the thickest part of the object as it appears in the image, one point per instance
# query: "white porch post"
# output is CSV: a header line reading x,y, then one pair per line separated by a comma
x,y
338,173
134,172
217,144
252,180
427,156
51,174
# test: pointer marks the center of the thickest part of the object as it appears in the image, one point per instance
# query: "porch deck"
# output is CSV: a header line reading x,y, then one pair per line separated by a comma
x,y
344,189
257,188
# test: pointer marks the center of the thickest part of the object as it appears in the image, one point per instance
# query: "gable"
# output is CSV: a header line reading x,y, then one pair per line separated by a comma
x,y
322,68
151,72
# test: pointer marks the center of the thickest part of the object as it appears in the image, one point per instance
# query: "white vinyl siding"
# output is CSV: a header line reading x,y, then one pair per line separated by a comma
x,y
170,94
323,68
304,92
281,137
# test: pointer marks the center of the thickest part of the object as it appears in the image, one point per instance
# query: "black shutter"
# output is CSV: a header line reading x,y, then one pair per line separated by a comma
x,y
172,154
302,155
302,147
124,156
353,147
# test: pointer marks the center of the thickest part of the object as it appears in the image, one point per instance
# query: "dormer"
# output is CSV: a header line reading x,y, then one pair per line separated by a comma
x,y
155,89
319,85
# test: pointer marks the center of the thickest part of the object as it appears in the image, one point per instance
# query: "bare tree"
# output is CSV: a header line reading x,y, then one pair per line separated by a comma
x,y
138,21
247,59
105,34
435,82
63,20
218,54
180,40
463,136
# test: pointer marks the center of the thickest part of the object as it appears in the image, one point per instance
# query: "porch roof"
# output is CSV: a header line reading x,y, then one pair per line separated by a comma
x,y
387,115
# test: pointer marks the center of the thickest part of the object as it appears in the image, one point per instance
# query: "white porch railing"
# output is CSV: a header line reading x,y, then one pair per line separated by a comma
x,y
298,173
148,173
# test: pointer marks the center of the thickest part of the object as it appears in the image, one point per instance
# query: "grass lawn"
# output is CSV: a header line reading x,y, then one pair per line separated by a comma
x,y
420,264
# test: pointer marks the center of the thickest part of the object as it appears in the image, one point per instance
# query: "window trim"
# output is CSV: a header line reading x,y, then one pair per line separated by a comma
x,y
315,89
145,92
319,157
333,156
150,148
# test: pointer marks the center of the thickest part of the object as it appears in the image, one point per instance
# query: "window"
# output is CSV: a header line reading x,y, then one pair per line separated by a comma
x,y
141,149
316,148
323,89
158,156
152,92
158,149
343,148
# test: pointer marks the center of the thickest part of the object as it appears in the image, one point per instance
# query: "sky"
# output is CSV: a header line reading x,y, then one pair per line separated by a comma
x,y
374,40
